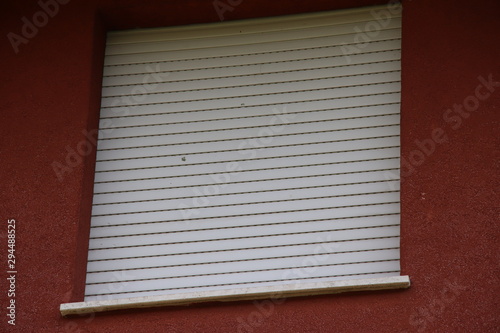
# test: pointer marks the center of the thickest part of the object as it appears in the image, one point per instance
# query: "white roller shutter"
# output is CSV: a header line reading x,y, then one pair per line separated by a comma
x,y
246,154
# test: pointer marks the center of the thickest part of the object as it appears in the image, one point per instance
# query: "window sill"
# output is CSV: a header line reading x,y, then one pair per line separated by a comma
x,y
276,292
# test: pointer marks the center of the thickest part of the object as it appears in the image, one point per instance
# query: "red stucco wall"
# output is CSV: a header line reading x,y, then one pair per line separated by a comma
x,y
450,211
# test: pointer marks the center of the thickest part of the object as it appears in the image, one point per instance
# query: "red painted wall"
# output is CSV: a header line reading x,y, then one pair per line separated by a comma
x,y
450,210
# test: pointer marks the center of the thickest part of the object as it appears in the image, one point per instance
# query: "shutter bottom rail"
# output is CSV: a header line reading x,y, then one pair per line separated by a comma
x,y
273,292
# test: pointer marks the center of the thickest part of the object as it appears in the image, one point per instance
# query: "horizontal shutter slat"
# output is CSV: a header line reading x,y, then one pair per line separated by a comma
x,y
242,49
156,192
248,244
241,278
257,265
101,262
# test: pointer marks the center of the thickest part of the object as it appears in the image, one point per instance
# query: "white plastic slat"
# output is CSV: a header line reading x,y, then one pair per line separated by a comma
x,y
250,93
195,259
238,116
259,150
248,26
270,88
268,101
234,235
100,264
241,145
297,69
240,279
251,251
105,192
271,124
250,167
324,28
305,61
260,264
347,104
157,192
366,218
259,208
194,221
221,156
231,198
235,49
174,134
217,175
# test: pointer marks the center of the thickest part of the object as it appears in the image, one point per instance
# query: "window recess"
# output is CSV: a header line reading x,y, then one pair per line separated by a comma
x,y
240,160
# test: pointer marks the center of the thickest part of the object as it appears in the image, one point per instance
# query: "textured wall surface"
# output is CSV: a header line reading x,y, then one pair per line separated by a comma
x,y
51,74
